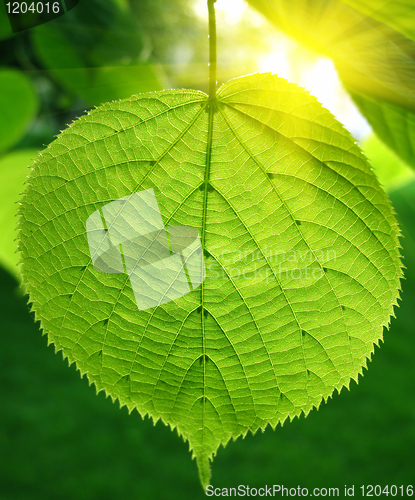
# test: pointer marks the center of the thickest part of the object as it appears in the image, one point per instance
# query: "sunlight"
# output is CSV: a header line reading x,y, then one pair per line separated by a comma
x,y
233,10
320,79
323,82
276,63
318,76
270,51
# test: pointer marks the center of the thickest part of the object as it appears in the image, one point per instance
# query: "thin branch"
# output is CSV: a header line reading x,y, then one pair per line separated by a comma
x,y
212,49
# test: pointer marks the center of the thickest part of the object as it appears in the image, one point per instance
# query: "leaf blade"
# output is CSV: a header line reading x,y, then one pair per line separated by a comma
x,y
278,190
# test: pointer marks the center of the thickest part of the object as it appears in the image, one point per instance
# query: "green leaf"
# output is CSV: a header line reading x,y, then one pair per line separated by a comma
x,y
91,58
375,62
18,104
399,15
300,246
394,124
14,169
95,84
391,171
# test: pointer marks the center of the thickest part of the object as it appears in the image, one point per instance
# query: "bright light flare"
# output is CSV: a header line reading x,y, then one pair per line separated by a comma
x,y
233,10
321,79
287,59
276,63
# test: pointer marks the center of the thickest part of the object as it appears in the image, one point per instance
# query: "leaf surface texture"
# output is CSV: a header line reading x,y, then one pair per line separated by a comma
x,y
300,245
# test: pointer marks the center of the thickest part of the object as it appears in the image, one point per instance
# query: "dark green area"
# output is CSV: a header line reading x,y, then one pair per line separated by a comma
x,y
59,440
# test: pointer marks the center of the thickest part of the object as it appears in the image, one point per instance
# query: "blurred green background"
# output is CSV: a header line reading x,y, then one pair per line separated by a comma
x,y
58,440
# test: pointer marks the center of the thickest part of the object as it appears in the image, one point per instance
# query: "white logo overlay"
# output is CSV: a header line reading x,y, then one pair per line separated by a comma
x,y
128,236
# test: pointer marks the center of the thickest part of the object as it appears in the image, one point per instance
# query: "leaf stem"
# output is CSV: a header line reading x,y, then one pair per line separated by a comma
x,y
212,50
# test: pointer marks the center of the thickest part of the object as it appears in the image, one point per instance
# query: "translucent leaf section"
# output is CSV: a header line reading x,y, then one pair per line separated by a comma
x,y
398,14
14,168
18,104
299,242
375,62
394,124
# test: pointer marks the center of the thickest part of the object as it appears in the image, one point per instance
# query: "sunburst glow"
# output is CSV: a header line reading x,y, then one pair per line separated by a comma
x,y
270,51
233,10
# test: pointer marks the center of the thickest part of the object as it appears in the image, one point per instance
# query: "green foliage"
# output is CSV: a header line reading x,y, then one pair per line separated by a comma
x,y
91,58
391,171
300,244
18,104
398,14
5,29
375,62
394,124
14,168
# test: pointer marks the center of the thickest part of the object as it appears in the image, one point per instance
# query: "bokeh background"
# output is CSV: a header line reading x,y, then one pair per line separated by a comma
x,y
58,439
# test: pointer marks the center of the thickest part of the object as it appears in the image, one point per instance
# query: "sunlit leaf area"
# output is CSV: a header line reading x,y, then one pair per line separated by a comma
x,y
61,440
